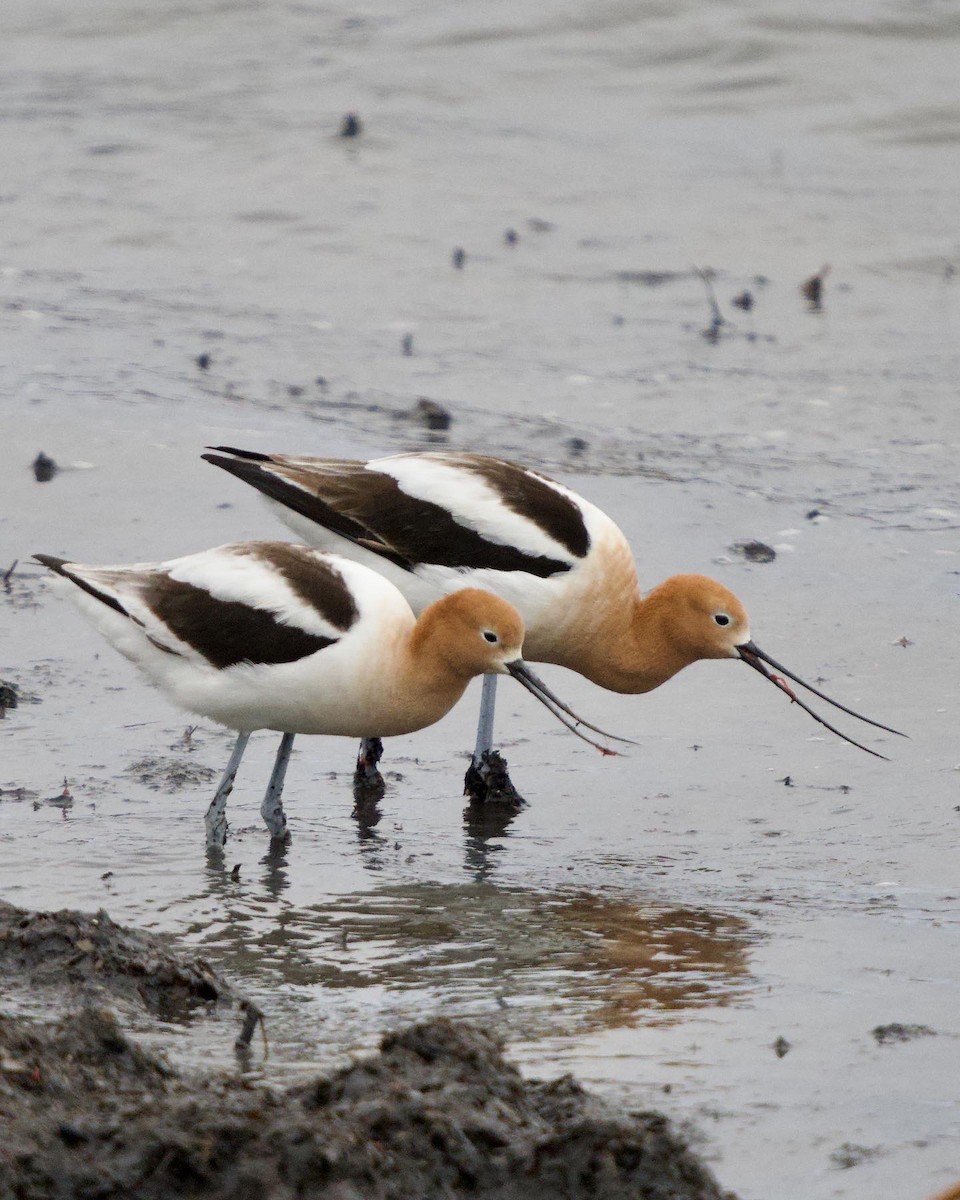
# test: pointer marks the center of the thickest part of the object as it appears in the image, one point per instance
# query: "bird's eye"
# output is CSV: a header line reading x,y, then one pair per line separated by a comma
x,y
721,618
490,636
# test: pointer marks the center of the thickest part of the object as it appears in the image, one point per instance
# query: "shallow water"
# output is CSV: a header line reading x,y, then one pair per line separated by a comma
x,y
175,186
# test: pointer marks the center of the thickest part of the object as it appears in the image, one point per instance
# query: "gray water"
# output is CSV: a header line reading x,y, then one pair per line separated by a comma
x,y
174,185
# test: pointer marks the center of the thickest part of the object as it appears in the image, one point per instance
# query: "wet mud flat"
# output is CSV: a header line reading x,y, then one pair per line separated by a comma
x,y
438,1112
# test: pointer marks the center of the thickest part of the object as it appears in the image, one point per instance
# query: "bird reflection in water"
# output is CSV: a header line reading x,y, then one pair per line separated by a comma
x,y
484,825
539,963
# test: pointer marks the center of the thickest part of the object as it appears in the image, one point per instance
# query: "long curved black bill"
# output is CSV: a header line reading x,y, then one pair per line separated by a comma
x,y
754,657
536,687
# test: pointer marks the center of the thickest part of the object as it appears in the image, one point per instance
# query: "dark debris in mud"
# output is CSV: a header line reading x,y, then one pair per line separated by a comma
x,y
15,791
63,799
437,1114
812,289
351,126
432,414
781,1047
9,697
851,1155
170,774
754,551
894,1033
44,468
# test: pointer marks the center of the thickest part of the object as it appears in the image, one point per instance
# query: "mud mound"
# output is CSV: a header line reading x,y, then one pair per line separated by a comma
x,y
437,1114
441,1095
88,957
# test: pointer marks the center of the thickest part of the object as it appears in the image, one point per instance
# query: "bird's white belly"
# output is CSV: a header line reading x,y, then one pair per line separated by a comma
x,y
332,692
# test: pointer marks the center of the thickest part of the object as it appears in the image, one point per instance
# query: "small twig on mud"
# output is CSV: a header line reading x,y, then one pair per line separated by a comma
x,y
253,1018
8,575
717,321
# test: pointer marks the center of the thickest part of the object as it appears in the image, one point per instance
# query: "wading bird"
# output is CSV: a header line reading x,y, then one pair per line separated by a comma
x,y
264,635
436,521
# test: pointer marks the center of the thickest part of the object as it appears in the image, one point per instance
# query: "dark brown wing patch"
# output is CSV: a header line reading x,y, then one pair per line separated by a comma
x,y
370,509
226,632
316,582
530,495
306,502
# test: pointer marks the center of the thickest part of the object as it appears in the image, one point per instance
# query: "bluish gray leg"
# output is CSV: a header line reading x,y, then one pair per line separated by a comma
x,y
272,807
216,816
488,702
487,778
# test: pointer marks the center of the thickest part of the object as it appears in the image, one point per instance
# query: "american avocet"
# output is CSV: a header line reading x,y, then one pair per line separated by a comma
x,y
264,635
433,522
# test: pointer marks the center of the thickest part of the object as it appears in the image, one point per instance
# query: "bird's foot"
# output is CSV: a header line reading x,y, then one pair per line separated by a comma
x,y
367,780
488,782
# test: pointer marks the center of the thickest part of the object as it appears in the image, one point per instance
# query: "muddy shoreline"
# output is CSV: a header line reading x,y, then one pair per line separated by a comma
x,y
438,1112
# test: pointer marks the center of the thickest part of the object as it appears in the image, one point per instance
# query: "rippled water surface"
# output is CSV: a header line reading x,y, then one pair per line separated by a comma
x,y
174,186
